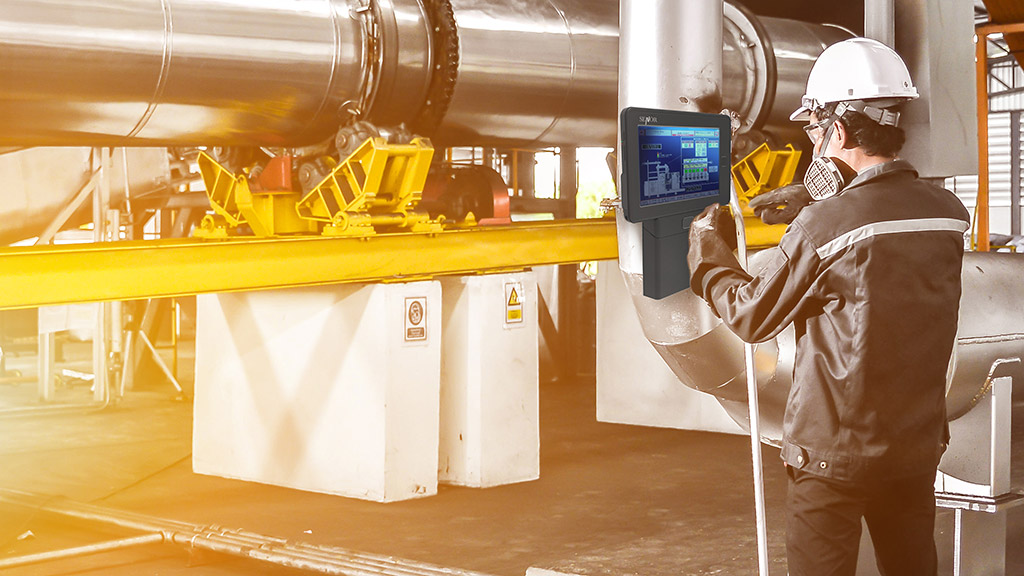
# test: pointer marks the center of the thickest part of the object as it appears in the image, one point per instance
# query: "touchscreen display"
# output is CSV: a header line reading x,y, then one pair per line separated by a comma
x,y
677,163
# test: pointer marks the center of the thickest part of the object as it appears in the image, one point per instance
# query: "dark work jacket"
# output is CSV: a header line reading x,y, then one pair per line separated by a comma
x,y
871,281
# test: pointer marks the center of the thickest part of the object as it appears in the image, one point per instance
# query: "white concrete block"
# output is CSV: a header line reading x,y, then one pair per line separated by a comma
x,y
490,424
327,389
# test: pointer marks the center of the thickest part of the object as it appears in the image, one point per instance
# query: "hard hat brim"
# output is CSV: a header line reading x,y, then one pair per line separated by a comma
x,y
801,113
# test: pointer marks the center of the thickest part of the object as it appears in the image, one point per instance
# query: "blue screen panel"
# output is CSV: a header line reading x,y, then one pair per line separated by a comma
x,y
677,163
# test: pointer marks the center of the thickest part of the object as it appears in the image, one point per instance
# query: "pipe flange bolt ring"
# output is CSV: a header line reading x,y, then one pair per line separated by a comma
x,y
445,38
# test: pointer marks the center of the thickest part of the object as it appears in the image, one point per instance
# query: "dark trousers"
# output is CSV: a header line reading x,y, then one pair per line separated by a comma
x,y
823,525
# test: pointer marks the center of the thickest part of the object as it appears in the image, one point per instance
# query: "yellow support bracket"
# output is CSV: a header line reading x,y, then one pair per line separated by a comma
x,y
761,171
377,186
221,189
268,213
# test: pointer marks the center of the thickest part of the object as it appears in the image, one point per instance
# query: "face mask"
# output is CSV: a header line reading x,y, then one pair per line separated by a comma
x,y
826,177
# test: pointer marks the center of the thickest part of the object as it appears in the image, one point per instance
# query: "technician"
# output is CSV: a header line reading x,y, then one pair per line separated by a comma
x,y
869,274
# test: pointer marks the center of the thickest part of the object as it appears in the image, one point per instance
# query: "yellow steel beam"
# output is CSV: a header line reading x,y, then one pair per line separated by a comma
x,y
47,275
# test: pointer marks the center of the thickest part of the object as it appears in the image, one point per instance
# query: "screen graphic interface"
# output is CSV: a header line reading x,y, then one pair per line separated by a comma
x,y
677,163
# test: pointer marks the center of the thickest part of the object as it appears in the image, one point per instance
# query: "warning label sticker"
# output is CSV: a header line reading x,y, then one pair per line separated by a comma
x,y
513,303
415,319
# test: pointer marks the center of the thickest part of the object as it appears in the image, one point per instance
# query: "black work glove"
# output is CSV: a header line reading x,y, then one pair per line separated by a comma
x,y
780,206
712,241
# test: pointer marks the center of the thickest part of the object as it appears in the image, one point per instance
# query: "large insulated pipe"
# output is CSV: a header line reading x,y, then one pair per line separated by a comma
x,y
236,72
534,72
177,72
700,350
655,72
756,67
991,332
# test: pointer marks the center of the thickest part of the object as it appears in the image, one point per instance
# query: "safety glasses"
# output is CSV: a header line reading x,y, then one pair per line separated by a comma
x,y
814,131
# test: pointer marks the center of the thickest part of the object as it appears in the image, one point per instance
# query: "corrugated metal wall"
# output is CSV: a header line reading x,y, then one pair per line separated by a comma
x,y
1006,76
966,187
1006,12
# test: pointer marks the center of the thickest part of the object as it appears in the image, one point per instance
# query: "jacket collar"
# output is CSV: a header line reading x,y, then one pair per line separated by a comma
x,y
881,170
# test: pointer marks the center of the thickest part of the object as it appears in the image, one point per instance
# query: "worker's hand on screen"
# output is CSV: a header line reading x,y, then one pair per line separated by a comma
x,y
712,241
780,206
715,220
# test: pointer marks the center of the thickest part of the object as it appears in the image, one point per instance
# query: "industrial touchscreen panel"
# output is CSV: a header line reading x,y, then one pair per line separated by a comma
x,y
674,165
677,163
673,162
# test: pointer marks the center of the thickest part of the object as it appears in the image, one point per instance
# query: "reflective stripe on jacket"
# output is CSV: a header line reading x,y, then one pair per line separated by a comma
x,y
871,281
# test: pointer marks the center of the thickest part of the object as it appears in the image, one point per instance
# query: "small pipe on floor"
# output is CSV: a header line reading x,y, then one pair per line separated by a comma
x,y
755,453
98,548
760,521
238,543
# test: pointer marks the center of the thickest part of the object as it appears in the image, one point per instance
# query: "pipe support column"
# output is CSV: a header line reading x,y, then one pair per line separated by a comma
x,y
880,21
670,56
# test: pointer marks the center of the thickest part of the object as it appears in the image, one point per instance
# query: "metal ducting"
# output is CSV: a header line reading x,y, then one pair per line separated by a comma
x,y
236,72
765,66
176,72
700,350
706,356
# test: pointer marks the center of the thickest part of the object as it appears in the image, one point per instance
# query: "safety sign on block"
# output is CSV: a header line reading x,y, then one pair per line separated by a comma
x,y
513,303
415,319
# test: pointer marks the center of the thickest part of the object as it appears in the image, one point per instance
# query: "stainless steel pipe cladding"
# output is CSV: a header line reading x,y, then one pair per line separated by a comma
x,y
991,330
238,72
534,73
991,326
766,62
544,72
176,72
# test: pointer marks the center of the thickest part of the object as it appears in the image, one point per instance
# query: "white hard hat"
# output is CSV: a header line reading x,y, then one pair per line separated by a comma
x,y
855,70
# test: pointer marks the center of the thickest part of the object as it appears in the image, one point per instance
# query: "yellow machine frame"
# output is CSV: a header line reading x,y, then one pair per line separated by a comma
x,y
377,187
270,213
761,171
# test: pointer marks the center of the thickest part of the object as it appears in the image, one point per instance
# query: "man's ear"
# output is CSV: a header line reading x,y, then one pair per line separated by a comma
x,y
841,135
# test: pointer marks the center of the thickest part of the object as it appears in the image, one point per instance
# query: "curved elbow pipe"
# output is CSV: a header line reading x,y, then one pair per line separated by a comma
x,y
709,358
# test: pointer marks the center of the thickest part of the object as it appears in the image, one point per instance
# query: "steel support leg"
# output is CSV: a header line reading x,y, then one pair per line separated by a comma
x,y
567,282
1015,153
160,362
47,365
980,507
979,543
101,199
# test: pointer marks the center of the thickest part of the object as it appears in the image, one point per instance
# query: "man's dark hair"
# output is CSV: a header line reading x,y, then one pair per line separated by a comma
x,y
873,138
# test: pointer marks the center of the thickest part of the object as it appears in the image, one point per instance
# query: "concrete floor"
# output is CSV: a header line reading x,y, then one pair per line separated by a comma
x,y
612,499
